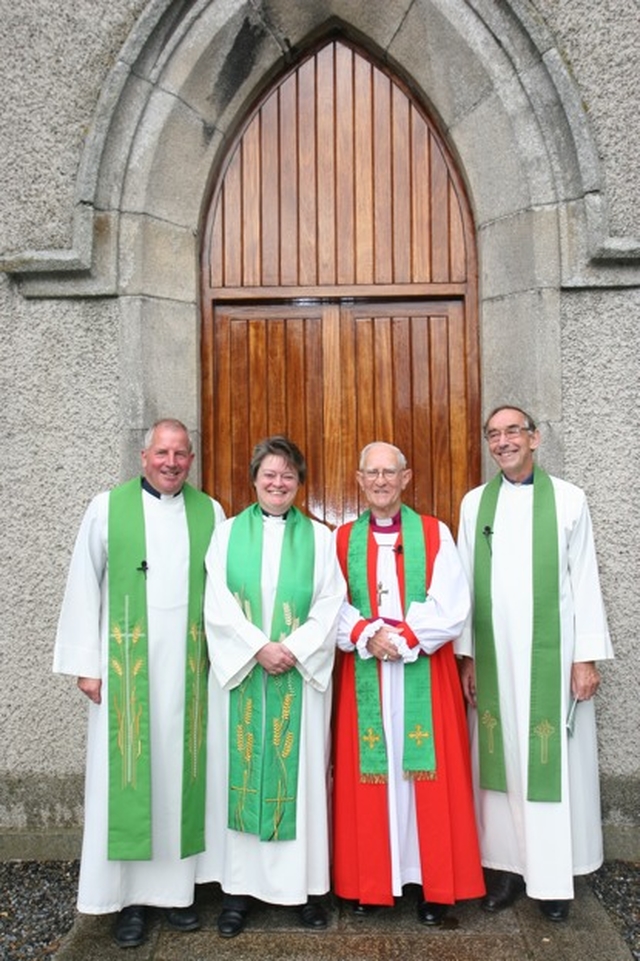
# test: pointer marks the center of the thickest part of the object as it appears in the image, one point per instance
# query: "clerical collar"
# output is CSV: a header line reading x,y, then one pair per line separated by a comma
x,y
522,483
267,514
385,525
150,489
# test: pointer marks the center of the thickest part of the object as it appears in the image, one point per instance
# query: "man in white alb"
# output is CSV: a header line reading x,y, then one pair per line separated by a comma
x,y
131,630
528,671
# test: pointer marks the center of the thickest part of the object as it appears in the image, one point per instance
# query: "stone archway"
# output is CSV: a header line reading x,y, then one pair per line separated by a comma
x,y
503,97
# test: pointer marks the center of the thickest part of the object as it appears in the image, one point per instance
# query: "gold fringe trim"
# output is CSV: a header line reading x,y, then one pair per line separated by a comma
x,y
373,778
419,775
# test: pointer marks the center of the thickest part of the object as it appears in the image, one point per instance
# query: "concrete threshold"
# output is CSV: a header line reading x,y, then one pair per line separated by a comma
x,y
520,933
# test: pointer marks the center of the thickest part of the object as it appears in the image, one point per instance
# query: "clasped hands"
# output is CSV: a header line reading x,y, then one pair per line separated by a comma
x,y
384,644
275,657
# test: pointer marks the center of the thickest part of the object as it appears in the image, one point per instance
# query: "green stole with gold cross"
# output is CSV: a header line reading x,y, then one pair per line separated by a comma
x,y
265,711
129,831
545,728
419,755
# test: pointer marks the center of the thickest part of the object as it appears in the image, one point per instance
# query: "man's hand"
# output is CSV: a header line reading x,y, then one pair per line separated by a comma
x,y
92,687
467,671
383,644
275,657
585,680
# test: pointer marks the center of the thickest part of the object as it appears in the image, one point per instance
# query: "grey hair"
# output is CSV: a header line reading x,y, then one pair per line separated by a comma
x,y
170,422
402,460
529,424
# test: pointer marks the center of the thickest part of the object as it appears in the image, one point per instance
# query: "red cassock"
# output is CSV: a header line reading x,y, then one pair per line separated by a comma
x,y
448,842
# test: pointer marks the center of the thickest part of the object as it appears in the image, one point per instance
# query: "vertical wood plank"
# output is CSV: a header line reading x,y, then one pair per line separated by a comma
x,y
440,440
275,362
289,179
346,170
439,216
458,412
241,444
326,164
308,181
457,251
314,434
422,460
402,234
331,414
383,375
251,207
270,192
233,221
349,393
363,171
420,200
383,193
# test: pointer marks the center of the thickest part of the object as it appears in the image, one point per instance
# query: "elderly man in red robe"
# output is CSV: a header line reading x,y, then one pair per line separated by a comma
x,y
402,803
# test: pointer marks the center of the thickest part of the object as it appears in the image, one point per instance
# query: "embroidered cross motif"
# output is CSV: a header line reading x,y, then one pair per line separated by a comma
x,y
380,590
418,735
371,738
490,722
544,730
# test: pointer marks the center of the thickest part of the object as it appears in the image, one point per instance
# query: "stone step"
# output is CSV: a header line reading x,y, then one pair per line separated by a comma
x,y
391,934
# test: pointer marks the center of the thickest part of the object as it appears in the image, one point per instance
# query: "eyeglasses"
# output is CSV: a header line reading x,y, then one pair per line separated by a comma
x,y
387,472
511,432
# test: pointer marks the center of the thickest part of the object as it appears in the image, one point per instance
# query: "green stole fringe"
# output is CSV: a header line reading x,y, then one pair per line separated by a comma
x,y
419,760
545,728
129,835
264,727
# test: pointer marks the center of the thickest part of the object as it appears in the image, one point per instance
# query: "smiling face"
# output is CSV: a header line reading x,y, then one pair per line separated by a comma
x,y
276,484
511,444
383,480
167,459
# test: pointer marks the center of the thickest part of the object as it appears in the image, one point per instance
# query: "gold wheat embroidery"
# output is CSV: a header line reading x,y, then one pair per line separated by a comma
x,y
128,709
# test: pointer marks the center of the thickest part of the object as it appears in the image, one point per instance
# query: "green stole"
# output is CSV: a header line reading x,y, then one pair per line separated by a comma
x,y
419,760
265,711
129,834
545,728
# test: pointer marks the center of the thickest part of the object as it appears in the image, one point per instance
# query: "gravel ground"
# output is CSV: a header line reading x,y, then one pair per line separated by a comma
x,y
38,905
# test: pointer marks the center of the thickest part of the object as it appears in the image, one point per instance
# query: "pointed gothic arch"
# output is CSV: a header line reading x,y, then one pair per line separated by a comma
x,y
339,289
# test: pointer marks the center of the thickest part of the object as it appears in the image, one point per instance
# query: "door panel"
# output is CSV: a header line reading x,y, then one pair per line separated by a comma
x,y
335,377
339,290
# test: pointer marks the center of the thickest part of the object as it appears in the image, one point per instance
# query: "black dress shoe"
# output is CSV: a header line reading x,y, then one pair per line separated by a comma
x,y
555,910
502,891
364,910
431,913
183,919
130,926
313,915
231,922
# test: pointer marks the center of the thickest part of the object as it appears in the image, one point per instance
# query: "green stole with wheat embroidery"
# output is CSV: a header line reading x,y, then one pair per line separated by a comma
x,y
129,830
265,711
545,727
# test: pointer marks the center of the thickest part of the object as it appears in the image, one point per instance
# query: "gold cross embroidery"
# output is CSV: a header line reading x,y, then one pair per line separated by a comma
x,y
418,735
371,738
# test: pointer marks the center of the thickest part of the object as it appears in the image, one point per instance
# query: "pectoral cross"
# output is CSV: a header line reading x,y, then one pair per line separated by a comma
x,y
381,590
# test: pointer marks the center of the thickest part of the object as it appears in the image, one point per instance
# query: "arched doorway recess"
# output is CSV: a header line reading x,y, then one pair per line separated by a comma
x,y
339,290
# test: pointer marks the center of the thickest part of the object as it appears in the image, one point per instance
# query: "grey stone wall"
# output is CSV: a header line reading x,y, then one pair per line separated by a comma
x,y
115,114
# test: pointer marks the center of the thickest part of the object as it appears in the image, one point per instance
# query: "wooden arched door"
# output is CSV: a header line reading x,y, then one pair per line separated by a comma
x,y
339,291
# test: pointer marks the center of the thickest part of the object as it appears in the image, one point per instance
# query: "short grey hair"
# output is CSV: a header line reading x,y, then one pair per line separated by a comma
x,y
170,422
529,424
402,460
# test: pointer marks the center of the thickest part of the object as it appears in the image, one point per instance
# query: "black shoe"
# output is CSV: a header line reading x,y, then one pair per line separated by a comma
x,y
313,915
183,919
555,910
431,913
364,910
130,926
231,922
502,891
